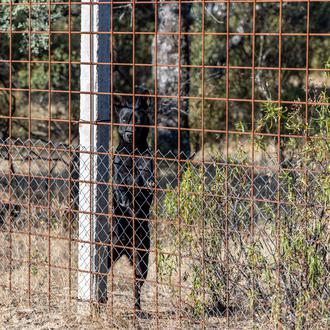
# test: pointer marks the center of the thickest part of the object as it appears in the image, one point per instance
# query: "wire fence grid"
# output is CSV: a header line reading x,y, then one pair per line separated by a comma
x,y
216,187
202,255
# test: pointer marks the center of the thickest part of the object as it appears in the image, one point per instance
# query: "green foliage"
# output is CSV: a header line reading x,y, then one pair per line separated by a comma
x,y
40,19
276,264
37,19
198,232
327,66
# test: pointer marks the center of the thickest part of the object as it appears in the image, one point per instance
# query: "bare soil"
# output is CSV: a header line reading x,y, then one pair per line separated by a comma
x,y
43,297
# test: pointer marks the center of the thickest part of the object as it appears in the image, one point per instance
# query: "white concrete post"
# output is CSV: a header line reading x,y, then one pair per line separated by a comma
x,y
94,138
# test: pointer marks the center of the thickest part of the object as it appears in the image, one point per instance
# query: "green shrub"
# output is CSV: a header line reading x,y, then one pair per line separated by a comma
x,y
255,255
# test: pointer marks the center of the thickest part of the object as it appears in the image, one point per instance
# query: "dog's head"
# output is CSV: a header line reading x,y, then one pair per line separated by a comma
x,y
133,121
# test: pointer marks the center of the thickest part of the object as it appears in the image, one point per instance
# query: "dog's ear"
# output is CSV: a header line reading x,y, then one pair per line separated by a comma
x,y
142,102
122,101
119,102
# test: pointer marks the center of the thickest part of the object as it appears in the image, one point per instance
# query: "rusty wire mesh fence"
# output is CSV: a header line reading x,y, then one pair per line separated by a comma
x,y
165,164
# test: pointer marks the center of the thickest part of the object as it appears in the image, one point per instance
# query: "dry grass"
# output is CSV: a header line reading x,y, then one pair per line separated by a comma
x,y
48,306
15,315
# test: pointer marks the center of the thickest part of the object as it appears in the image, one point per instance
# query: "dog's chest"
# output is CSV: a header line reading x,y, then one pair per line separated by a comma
x,y
130,170
123,169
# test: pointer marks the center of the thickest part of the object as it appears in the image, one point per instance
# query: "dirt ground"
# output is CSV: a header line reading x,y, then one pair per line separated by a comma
x,y
16,313
15,316
40,295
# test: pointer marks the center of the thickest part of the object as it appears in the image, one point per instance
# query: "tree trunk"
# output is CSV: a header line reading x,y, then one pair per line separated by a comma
x,y
170,112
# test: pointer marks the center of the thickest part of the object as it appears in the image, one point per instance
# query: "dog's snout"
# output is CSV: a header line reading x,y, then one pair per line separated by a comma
x,y
129,136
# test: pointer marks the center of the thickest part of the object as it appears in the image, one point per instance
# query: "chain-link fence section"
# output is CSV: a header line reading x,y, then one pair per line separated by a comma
x,y
224,241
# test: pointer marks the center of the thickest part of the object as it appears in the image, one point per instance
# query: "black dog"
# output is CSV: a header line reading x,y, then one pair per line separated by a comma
x,y
133,181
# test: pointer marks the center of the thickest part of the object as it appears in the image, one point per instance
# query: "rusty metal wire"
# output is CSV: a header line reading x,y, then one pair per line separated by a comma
x,y
239,227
